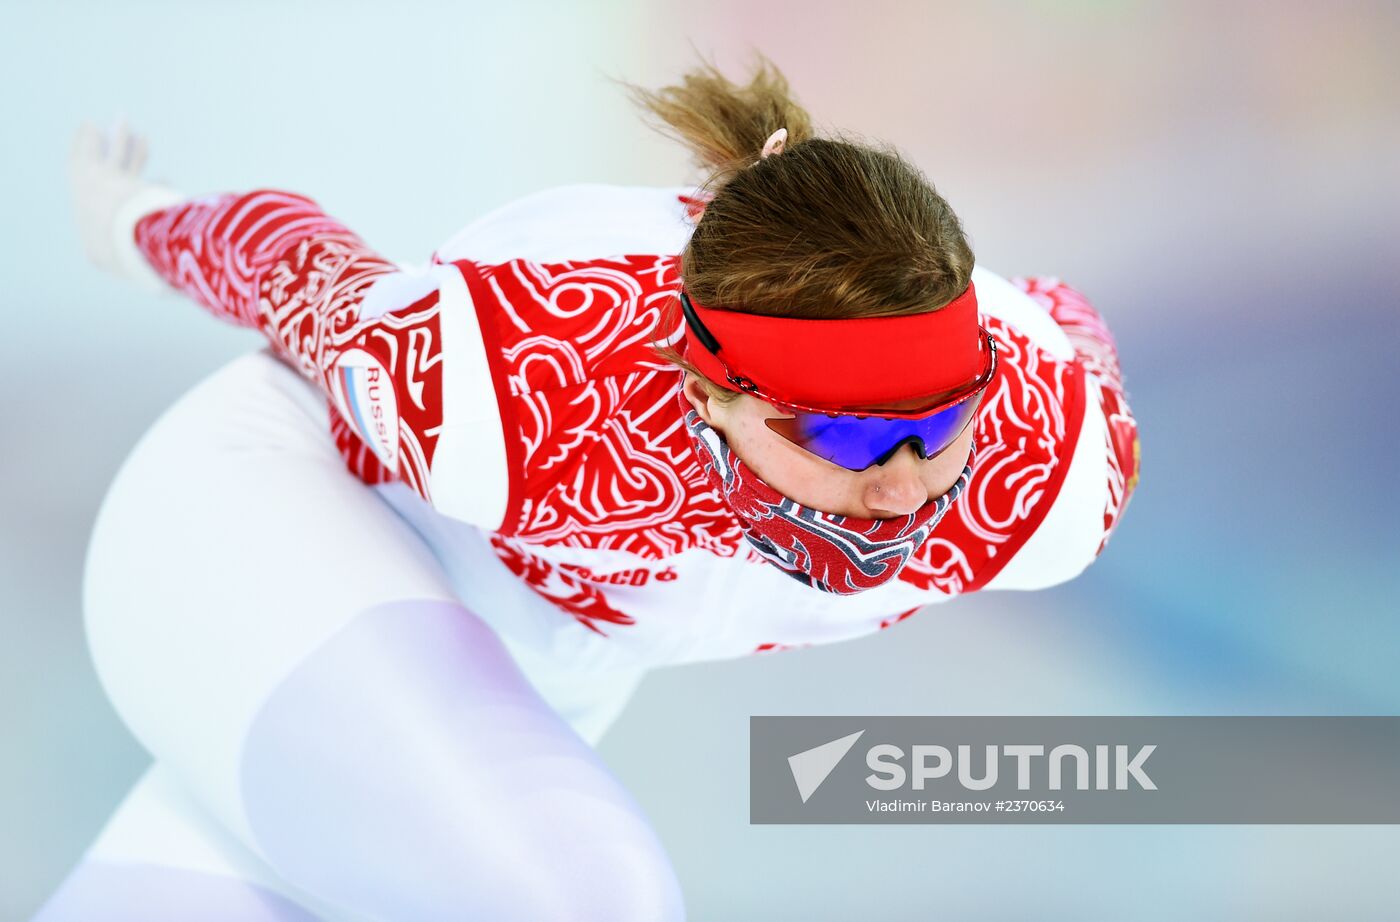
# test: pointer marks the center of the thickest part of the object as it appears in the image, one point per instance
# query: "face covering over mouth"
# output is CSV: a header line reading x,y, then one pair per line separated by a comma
x,y
832,553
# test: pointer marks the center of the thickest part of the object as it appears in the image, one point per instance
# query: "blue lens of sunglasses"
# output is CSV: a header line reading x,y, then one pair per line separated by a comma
x,y
856,443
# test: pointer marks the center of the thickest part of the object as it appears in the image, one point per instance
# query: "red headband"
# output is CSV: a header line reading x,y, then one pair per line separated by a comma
x,y
860,362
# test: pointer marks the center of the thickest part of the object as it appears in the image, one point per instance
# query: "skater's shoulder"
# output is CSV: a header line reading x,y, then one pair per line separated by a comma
x,y
575,222
1002,299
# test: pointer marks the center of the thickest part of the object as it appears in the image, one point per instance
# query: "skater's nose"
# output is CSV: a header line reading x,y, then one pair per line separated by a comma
x,y
895,487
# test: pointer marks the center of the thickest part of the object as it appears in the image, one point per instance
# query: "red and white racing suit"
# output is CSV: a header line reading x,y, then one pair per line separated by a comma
x,y
366,725
504,398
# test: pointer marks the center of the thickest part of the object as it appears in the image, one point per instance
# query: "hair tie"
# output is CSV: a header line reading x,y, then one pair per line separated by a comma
x,y
774,144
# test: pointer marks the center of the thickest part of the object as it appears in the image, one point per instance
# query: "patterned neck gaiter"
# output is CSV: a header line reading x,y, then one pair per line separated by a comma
x,y
833,553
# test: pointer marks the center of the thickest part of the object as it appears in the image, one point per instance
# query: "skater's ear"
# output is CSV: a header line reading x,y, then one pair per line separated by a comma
x,y
719,407
699,397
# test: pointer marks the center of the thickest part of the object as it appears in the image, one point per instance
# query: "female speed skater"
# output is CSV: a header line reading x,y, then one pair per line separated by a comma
x,y
371,594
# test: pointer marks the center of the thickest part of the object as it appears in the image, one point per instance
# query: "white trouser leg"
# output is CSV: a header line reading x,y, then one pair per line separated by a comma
x,y
162,858
280,639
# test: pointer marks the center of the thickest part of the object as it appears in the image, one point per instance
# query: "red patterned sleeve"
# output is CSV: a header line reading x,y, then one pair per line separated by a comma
x,y
1097,351
218,249
275,262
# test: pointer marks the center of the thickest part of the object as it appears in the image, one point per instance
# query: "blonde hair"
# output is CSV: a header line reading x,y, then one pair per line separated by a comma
x,y
829,228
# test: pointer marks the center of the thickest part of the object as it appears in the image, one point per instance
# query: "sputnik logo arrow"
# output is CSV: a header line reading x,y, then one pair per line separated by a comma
x,y
810,767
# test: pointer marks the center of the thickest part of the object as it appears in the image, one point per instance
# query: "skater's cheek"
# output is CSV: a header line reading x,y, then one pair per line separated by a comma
x,y
792,471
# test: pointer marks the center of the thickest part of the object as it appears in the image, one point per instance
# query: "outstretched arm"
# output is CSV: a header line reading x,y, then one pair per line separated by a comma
x,y
230,251
368,334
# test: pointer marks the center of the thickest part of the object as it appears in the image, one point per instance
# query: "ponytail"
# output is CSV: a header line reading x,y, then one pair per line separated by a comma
x,y
723,123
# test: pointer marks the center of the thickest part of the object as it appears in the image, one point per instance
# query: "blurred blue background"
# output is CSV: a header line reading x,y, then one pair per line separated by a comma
x,y
1220,179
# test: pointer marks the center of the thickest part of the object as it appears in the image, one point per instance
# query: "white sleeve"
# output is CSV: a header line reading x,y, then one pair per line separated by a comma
x,y
1068,538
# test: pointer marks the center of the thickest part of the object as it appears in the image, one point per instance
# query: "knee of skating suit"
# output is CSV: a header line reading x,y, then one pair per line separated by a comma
x,y
408,769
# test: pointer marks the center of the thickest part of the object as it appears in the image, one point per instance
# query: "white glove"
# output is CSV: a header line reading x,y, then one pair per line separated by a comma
x,y
109,197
